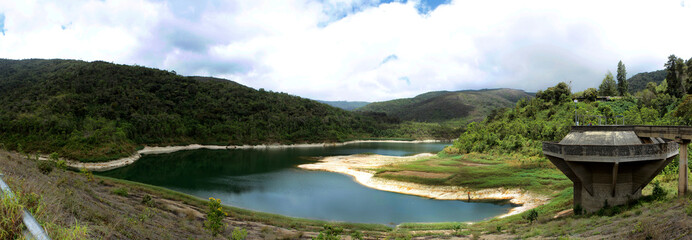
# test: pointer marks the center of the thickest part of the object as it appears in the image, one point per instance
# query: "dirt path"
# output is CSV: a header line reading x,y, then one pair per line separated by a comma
x,y
360,167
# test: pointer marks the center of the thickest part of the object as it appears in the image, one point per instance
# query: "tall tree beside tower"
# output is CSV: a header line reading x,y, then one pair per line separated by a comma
x,y
622,79
672,76
676,77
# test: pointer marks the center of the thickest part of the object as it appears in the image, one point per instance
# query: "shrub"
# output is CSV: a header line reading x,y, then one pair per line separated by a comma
x,y
578,210
215,215
658,193
609,211
329,232
45,166
31,202
457,230
357,235
239,234
531,215
147,200
688,209
120,192
61,164
451,150
53,156
87,174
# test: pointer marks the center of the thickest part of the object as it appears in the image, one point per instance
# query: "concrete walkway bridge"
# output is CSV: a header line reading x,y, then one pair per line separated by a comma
x,y
610,165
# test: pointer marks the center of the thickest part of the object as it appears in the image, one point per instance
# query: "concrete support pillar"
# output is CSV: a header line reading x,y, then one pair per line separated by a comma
x,y
682,178
615,177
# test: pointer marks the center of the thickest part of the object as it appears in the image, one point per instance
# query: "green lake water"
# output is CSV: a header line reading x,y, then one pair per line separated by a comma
x,y
269,181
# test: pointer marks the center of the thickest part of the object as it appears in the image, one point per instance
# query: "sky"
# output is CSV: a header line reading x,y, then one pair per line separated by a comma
x,y
359,50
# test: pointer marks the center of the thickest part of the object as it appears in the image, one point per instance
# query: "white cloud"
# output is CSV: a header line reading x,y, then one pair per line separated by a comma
x,y
336,49
94,30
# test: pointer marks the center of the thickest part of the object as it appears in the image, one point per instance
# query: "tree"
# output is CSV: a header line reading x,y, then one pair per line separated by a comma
x,y
590,94
683,77
608,86
556,94
672,76
651,86
662,88
622,79
689,76
684,110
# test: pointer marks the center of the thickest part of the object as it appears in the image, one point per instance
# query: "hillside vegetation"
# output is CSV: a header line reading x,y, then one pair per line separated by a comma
x,y
550,115
638,81
98,110
470,105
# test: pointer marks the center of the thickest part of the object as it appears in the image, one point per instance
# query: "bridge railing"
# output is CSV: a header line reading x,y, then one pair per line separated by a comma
x,y
35,229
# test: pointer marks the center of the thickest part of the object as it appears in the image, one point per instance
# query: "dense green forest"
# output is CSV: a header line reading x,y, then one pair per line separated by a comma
x,y
345,105
441,106
98,110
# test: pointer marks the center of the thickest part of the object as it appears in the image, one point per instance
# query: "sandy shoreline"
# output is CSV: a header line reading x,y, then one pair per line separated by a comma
x,y
105,166
358,165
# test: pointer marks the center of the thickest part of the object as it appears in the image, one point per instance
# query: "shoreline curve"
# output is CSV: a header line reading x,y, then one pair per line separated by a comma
x,y
360,168
118,163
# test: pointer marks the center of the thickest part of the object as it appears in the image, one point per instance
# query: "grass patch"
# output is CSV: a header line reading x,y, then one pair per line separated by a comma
x,y
11,222
414,179
496,171
120,191
431,226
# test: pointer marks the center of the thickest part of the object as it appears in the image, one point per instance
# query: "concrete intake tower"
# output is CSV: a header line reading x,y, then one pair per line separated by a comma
x,y
611,164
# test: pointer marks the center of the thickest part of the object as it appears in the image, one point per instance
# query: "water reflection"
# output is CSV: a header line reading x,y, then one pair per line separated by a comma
x,y
267,180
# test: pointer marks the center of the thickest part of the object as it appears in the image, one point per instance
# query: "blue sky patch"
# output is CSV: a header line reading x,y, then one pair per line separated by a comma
x,y
64,27
389,58
2,23
408,81
426,6
340,11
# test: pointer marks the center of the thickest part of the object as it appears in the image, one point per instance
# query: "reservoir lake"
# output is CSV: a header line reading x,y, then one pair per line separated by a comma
x,y
268,180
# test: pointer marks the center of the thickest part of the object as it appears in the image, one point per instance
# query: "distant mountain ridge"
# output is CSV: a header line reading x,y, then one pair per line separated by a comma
x,y
346,105
638,81
440,106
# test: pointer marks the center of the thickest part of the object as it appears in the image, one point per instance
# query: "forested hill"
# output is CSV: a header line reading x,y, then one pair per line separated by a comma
x,y
472,105
98,110
638,81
